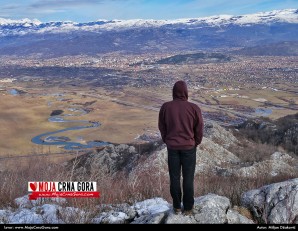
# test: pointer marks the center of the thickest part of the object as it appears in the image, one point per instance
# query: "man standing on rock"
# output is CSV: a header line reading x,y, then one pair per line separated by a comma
x,y
181,126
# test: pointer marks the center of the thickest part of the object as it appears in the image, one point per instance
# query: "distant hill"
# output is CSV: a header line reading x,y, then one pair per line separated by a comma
x,y
195,58
276,49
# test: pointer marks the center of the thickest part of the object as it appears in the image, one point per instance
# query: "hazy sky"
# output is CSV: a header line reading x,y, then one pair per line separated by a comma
x,y
92,10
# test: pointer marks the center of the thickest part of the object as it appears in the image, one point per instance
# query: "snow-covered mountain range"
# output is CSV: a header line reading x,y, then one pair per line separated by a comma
x,y
26,37
24,26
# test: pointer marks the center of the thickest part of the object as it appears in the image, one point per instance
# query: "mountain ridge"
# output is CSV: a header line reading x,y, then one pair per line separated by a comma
x,y
56,39
36,26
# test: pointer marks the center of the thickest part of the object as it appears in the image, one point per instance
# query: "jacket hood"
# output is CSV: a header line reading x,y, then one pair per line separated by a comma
x,y
180,91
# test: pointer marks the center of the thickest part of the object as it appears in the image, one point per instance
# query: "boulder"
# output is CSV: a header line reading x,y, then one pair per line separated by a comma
x,y
275,203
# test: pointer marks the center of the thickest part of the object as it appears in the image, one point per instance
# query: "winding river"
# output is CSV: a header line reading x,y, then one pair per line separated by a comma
x,y
48,138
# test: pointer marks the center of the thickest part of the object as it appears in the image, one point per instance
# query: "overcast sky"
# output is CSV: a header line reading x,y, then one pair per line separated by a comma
x,y
92,10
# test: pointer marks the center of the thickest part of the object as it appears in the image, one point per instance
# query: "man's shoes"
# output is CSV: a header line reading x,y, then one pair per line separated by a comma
x,y
177,211
185,212
188,212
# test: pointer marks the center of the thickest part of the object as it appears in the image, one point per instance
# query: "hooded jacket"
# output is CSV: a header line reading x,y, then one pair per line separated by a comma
x,y
180,122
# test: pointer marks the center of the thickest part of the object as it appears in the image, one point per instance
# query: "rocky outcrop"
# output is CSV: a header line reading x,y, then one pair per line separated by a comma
x,y
212,153
275,203
290,138
281,132
213,157
111,159
279,163
234,217
211,209
219,134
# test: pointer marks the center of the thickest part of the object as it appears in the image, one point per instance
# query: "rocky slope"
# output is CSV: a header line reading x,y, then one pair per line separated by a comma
x,y
271,204
213,156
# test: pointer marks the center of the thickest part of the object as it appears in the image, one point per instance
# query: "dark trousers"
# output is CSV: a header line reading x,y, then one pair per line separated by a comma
x,y
185,160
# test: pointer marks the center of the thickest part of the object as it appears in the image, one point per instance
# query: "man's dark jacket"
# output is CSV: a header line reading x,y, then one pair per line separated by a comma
x,y
180,122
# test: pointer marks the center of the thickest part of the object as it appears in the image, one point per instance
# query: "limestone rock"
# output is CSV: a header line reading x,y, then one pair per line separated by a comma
x,y
279,163
180,219
112,159
157,218
151,206
219,135
235,217
275,203
211,209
